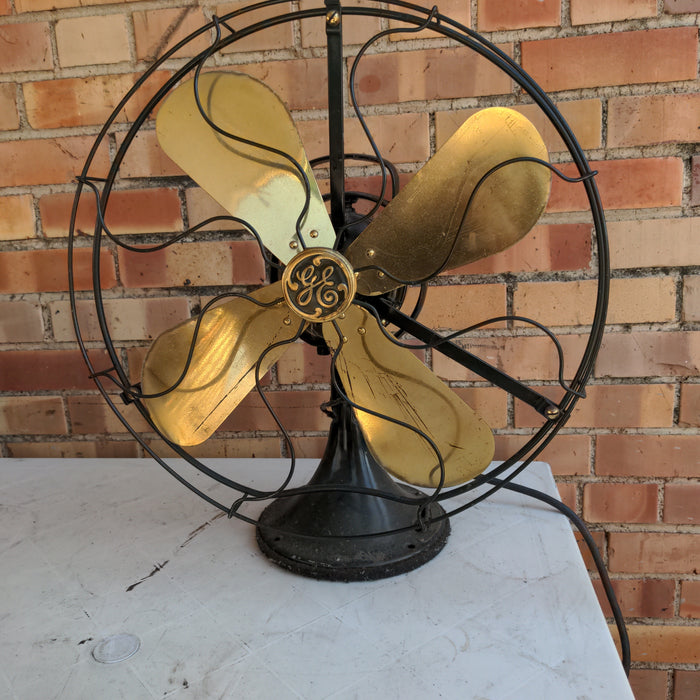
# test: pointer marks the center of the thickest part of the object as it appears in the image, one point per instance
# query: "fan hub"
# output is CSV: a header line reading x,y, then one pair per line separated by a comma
x,y
319,284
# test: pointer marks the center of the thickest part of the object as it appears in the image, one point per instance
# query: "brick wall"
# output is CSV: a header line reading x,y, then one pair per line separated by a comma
x,y
624,74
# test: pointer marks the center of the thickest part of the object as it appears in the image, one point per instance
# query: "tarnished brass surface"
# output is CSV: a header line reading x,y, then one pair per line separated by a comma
x,y
252,184
413,236
319,284
389,379
230,340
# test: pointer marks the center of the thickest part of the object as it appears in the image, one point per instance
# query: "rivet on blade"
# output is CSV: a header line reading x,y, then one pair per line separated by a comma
x,y
293,244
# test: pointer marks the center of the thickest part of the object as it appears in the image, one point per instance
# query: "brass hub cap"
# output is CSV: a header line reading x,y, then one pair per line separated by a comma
x,y
319,284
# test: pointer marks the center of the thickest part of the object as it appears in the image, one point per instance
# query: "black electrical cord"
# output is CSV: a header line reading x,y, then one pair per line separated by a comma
x,y
595,553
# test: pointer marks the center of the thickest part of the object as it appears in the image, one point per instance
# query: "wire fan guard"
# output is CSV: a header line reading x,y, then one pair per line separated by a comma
x,y
351,521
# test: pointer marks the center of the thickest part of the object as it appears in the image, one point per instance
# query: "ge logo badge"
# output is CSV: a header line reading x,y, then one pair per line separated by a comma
x,y
319,284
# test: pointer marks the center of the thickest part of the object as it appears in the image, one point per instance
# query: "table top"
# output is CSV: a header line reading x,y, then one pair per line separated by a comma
x,y
95,547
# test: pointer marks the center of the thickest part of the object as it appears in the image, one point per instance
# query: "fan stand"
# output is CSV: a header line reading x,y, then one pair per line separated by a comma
x,y
329,534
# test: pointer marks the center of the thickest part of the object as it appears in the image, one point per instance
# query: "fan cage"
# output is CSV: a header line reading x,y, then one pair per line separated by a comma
x,y
415,18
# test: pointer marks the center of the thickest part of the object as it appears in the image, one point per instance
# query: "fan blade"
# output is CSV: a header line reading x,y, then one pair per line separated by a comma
x,y
261,187
230,340
412,238
378,374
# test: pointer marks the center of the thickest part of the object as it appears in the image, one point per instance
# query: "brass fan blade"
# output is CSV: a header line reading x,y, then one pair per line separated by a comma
x,y
388,379
413,236
230,340
253,184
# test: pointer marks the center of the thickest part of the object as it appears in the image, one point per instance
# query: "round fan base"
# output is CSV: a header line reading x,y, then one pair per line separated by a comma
x,y
350,559
354,558
335,532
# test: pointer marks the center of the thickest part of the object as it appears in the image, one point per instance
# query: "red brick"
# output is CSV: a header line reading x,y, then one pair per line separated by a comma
x,y
5,7
456,307
648,684
121,449
20,322
695,191
567,494
201,206
529,357
493,15
443,73
276,37
301,364
127,212
32,415
654,242
85,101
599,540
584,117
32,370
401,138
25,47
686,683
127,319
145,158
47,270
624,184
546,247
37,5
623,58
157,31
587,12
682,503
690,406
368,185
654,552
310,447
300,83
643,120
620,503
84,41
646,354
91,415
691,298
488,402
196,264
690,599
629,405
639,597
9,118
568,455
632,300
297,410
356,30
17,217
677,7
47,161
648,455
670,644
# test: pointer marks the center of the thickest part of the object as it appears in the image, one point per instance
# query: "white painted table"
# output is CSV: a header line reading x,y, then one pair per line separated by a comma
x,y
94,547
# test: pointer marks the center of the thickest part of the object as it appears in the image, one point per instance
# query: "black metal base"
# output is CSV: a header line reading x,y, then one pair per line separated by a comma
x,y
330,535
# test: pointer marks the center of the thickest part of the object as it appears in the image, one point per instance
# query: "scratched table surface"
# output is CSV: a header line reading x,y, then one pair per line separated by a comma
x,y
95,547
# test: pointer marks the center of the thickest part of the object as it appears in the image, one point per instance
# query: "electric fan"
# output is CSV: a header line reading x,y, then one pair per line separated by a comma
x,y
340,281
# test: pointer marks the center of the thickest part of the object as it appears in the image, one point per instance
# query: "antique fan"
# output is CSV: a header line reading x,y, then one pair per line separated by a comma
x,y
340,282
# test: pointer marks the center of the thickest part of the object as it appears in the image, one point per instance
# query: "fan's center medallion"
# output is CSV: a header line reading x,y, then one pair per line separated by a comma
x,y
319,284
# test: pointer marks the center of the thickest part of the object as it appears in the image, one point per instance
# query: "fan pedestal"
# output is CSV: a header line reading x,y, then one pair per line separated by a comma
x,y
329,535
